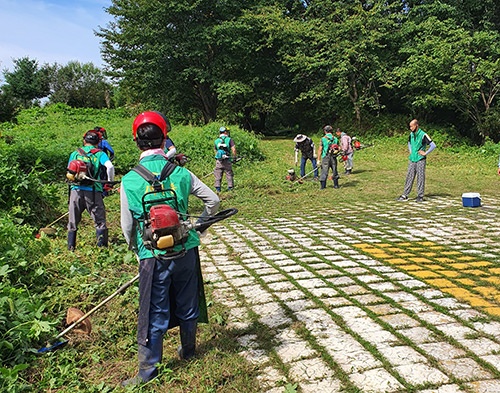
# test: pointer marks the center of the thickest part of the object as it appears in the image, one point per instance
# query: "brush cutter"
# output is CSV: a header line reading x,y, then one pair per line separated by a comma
x,y
60,343
303,177
86,328
52,231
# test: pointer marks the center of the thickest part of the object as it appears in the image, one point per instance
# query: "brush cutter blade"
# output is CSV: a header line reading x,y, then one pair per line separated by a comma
x,y
52,347
73,315
48,231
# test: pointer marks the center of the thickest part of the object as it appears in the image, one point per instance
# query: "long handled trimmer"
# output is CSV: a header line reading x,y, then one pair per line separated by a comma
x,y
61,343
307,174
200,227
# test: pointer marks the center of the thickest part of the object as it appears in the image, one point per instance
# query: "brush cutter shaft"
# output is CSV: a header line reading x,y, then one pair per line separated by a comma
x,y
308,173
60,218
85,316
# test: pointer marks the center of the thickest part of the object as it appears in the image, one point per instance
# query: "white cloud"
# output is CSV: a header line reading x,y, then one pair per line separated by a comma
x,y
51,31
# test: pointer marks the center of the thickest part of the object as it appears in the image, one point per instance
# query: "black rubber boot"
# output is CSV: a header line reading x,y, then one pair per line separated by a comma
x,y
149,356
336,182
102,237
323,184
71,240
188,339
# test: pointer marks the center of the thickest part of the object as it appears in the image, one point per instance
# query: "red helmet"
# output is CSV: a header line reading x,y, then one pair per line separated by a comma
x,y
155,118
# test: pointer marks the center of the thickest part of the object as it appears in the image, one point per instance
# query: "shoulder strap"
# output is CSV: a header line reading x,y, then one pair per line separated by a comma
x,y
81,152
150,177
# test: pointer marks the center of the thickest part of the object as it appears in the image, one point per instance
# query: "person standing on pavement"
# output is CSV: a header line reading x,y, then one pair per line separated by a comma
x,y
225,152
419,146
346,150
87,194
328,152
306,147
170,283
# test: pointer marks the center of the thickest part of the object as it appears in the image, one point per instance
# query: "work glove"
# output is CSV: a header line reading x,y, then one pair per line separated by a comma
x,y
107,189
181,159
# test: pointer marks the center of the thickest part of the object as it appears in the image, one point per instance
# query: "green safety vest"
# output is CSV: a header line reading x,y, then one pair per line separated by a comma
x,y
222,150
416,143
95,159
135,186
326,141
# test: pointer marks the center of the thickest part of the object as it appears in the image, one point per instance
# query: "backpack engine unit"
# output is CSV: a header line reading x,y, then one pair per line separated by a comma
x,y
164,227
81,171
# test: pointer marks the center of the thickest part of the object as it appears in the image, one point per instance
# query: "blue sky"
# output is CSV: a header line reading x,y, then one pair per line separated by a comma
x,y
51,31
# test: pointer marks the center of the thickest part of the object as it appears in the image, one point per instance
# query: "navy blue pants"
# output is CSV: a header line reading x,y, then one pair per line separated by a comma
x,y
164,286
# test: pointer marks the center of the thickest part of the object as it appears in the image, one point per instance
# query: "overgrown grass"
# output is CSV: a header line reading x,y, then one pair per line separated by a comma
x,y
82,279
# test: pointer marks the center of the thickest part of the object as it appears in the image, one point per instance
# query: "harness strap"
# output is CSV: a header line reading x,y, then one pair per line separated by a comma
x,y
149,176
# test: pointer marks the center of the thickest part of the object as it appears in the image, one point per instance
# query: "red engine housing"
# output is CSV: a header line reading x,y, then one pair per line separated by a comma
x,y
77,166
163,217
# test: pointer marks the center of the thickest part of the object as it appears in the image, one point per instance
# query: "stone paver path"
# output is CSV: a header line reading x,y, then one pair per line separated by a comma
x,y
386,297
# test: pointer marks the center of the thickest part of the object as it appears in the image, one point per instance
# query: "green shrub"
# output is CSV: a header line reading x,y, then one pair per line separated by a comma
x,y
22,279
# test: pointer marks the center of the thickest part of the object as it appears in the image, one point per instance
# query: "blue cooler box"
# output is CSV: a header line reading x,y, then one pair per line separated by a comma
x,y
471,199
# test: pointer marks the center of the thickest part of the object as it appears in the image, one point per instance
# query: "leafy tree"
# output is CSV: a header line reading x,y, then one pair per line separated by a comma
x,y
7,106
28,81
184,56
338,56
80,86
447,66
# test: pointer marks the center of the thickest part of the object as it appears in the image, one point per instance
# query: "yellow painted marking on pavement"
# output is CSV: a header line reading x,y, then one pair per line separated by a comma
x,y
445,260
480,264
435,267
425,274
493,311
450,273
466,281
493,280
397,261
420,260
459,266
441,283
466,258
476,272
430,254
488,292
467,278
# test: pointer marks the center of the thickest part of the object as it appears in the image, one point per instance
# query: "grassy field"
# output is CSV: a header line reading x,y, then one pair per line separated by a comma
x,y
81,279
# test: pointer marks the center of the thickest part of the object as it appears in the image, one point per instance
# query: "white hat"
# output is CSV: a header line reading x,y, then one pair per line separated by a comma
x,y
299,138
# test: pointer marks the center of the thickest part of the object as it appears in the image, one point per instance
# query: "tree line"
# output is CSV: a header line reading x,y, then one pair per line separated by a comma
x,y
299,64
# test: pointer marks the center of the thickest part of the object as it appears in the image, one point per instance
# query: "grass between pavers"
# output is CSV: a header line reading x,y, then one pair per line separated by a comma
x,y
413,315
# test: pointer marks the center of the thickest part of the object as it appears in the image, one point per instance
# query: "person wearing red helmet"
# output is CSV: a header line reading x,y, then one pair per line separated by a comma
x,y
164,280
328,152
87,193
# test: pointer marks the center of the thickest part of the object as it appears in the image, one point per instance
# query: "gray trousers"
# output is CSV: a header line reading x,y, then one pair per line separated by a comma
x,y
79,201
225,166
415,169
328,162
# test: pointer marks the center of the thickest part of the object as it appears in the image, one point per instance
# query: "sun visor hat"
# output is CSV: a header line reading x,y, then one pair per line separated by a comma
x,y
299,138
